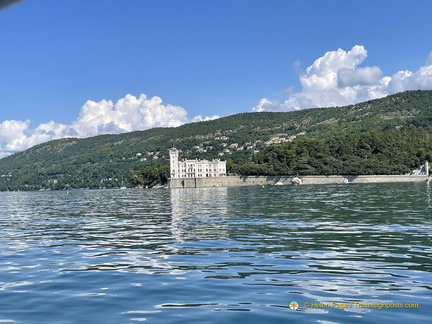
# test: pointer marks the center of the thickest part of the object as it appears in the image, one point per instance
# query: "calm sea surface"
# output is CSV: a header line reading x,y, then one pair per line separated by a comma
x,y
218,255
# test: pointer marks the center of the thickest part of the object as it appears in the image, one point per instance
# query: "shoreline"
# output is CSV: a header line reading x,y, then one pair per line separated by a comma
x,y
238,181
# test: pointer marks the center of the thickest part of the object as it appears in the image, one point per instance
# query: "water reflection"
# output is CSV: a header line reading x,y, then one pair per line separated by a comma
x,y
199,213
221,249
429,193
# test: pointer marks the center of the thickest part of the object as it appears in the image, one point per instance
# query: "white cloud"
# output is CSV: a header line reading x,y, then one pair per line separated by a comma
x,y
12,133
16,135
359,76
199,118
128,114
322,74
104,117
336,79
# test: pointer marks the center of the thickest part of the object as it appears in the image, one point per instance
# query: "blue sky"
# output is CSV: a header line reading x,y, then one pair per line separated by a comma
x,y
65,64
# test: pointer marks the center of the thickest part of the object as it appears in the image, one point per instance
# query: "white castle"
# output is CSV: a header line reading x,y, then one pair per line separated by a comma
x,y
195,168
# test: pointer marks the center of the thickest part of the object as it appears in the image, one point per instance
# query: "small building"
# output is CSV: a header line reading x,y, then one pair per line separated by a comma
x,y
424,170
195,168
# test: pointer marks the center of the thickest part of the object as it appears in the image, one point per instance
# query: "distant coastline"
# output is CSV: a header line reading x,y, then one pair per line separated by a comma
x,y
237,181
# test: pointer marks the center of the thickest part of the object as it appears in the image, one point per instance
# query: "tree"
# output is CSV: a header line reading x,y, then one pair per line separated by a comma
x,y
152,176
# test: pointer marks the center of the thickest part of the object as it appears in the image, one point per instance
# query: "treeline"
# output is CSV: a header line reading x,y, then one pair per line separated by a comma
x,y
151,176
396,151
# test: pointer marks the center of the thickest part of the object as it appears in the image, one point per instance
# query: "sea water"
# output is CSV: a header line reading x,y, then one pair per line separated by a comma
x,y
353,253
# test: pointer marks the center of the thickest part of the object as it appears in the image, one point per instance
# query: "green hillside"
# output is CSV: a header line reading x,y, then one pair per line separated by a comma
x,y
108,161
392,151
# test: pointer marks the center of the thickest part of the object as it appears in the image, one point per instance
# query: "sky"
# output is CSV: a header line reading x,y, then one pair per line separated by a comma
x,y
79,68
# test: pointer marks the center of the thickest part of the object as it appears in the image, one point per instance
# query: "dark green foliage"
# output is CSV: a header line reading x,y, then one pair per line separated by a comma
x,y
152,176
111,161
375,152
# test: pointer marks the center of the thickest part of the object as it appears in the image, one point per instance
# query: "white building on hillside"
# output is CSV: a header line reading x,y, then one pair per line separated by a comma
x,y
424,169
195,168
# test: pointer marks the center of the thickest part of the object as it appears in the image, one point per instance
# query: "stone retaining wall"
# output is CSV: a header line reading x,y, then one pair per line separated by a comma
x,y
361,179
236,181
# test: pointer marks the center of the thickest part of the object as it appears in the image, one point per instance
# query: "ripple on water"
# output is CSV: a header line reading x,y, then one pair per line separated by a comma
x,y
219,254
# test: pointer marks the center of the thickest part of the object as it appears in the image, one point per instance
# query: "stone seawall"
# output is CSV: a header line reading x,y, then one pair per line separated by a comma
x,y
232,181
236,181
362,179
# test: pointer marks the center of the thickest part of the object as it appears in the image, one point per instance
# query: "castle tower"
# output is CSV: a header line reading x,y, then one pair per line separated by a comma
x,y
174,165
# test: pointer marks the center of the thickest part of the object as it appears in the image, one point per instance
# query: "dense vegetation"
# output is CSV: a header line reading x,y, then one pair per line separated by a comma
x,y
351,139
151,176
373,152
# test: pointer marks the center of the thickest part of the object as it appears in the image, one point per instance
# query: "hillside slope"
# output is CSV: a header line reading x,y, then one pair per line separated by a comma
x,y
110,160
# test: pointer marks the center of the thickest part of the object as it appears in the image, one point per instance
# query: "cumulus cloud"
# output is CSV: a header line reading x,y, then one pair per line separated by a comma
x,y
95,118
359,76
12,134
200,118
127,114
335,79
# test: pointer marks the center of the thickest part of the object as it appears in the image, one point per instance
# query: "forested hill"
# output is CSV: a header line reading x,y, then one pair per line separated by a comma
x,y
112,160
